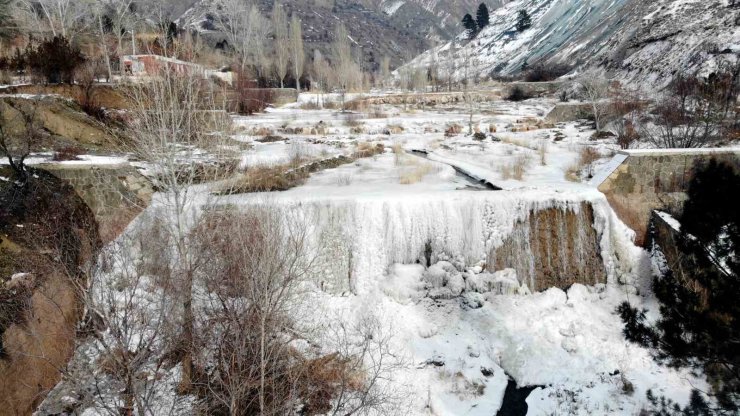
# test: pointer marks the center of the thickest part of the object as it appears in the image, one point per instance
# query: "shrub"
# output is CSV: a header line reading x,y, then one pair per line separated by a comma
x,y
479,136
589,155
695,112
542,152
344,179
542,73
453,130
270,138
415,172
250,98
515,169
518,94
55,60
67,153
367,149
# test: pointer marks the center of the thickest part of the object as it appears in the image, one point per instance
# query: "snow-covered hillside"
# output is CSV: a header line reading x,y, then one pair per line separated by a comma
x,y
634,39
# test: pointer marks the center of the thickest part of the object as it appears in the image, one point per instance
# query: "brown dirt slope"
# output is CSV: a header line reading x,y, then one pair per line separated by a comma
x,y
47,234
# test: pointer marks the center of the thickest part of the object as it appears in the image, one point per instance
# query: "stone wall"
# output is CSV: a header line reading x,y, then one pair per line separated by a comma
x,y
115,193
426,99
564,112
536,89
639,181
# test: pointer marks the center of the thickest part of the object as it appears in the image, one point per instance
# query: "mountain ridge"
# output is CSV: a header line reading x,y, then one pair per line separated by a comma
x,y
640,42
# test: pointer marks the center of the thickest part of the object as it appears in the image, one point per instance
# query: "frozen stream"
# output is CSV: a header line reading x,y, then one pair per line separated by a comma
x,y
475,183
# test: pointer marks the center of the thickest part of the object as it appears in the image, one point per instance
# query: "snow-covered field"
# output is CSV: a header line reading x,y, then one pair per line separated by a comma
x,y
460,332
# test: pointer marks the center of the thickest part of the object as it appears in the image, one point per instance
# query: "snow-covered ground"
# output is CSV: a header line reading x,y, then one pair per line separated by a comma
x,y
461,331
459,351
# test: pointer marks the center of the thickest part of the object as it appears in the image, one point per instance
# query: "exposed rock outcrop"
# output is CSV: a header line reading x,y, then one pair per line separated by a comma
x,y
115,193
47,236
62,120
553,248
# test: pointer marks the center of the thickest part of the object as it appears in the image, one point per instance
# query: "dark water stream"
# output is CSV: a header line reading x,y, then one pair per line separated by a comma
x,y
474,183
515,399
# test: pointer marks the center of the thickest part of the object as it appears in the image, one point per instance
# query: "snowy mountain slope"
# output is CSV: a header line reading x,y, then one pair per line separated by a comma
x,y
396,28
635,39
445,15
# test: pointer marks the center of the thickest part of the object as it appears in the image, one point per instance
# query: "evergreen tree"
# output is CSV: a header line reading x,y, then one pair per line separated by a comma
x,y
55,60
523,21
699,325
482,17
470,26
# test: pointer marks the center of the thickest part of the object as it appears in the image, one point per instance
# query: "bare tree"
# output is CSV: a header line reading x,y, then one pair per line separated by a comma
x,y
63,18
281,41
178,131
433,70
385,71
595,91
368,362
121,15
259,256
98,11
244,27
451,64
296,49
20,136
694,112
627,106
346,69
470,69
323,73
130,318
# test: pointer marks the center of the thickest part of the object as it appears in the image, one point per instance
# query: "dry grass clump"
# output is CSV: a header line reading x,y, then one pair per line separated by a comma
x,y
309,105
412,169
367,149
344,179
517,142
453,130
357,105
398,153
353,120
393,129
415,173
270,138
376,111
515,169
588,155
266,179
573,174
262,131
542,152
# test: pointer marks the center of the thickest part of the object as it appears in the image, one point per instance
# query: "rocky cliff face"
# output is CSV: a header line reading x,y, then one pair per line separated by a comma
x,y
553,247
639,41
47,235
62,122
